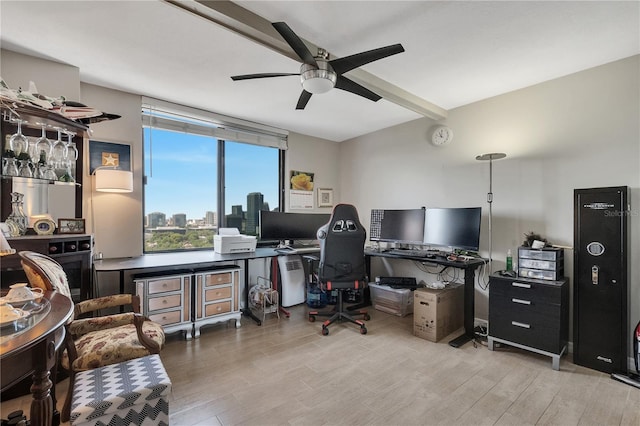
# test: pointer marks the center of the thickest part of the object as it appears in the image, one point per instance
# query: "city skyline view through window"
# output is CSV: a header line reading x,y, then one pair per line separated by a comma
x,y
181,189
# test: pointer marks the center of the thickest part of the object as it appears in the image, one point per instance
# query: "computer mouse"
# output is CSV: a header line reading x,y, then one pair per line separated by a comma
x,y
511,274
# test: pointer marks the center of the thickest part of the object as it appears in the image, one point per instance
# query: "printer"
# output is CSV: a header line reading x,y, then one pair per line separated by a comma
x,y
229,240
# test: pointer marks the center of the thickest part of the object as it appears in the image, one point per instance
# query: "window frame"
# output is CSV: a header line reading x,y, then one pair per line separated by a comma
x,y
168,118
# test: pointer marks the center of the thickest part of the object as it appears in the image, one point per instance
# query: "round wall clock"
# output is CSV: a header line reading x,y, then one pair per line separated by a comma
x,y
441,135
44,226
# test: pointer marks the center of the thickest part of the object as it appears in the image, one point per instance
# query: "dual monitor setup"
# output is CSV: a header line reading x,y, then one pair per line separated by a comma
x,y
450,228
456,228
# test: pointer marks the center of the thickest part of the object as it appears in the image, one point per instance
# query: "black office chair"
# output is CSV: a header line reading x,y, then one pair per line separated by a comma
x,y
342,263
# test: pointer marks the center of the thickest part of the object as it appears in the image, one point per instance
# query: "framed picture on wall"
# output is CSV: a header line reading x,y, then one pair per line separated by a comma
x,y
109,154
325,197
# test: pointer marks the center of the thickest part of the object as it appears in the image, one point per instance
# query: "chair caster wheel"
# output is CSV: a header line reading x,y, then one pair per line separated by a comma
x,y
312,318
325,331
367,317
363,330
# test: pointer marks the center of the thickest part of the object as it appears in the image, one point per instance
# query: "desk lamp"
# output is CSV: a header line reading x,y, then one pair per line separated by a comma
x,y
490,157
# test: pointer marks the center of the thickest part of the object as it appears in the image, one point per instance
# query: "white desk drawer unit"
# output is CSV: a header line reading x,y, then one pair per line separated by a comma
x,y
167,301
216,298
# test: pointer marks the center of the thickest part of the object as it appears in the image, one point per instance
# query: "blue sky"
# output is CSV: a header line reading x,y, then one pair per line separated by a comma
x,y
181,176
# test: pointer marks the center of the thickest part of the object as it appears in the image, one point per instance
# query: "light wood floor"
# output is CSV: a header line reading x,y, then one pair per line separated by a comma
x,y
286,373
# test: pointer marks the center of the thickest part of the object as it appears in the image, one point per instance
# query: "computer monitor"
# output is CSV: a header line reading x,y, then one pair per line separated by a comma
x,y
281,226
402,226
457,228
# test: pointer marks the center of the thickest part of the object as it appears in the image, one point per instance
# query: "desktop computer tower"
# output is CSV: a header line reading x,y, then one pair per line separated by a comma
x,y
600,289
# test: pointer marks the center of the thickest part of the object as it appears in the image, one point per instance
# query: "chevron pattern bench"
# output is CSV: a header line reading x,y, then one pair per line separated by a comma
x,y
130,393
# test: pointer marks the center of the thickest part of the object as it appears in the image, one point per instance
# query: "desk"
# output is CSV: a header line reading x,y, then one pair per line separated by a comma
x,y
33,351
469,268
192,259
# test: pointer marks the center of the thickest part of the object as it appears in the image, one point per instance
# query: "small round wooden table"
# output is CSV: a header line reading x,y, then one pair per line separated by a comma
x,y
30,347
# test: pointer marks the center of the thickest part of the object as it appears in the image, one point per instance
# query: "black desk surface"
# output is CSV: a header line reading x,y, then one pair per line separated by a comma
x,y
439,260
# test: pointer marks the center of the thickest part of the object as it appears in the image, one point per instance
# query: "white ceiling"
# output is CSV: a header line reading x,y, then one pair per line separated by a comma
x,y
457,52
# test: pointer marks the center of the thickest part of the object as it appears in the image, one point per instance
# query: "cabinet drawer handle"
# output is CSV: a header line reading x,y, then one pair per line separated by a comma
x,y
520,324
522,285
164,301
523,302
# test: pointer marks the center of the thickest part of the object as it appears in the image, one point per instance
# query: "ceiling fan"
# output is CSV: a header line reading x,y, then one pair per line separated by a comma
x,y
318,74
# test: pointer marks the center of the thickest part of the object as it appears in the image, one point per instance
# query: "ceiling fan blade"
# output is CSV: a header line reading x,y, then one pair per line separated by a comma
x,y
344,83
342,65
304,98
295,42
263,75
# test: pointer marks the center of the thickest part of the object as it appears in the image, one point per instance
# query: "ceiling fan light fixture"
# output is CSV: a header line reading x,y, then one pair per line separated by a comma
x,y
317,80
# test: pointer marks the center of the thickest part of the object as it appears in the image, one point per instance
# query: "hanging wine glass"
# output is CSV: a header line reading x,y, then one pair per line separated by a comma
x,y
43,145
18,142
70,157
59,150
72,154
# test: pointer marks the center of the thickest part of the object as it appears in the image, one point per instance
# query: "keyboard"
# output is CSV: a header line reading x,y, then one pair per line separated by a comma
x,y
412,253
398,282
299,249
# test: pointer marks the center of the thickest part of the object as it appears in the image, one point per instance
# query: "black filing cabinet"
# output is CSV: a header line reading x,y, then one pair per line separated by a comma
x,y
530,314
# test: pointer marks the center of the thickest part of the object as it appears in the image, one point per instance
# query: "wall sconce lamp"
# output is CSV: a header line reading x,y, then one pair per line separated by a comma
x,y
109,179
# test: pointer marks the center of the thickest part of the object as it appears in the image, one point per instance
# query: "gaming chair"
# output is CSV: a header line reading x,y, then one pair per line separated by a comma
x,y
342,263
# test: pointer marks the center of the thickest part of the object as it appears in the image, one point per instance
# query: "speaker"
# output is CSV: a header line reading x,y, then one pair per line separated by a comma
x,y
600,290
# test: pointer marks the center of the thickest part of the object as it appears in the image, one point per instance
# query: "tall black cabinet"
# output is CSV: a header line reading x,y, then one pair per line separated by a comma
x,y
600,324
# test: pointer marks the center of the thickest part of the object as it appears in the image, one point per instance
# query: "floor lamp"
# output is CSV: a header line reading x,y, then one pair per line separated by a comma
x,y
490,158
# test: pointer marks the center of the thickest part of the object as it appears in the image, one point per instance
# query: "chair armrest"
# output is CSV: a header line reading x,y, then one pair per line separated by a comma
x,y
86,325
145,340
104,302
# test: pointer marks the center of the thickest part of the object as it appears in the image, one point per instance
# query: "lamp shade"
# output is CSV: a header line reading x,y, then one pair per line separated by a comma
x,y
5,248
114,180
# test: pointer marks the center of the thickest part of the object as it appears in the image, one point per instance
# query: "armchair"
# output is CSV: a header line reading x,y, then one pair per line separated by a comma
x,y
342,263
97,341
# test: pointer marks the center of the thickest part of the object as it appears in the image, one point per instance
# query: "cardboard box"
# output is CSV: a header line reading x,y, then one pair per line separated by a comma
x,y
438,313
395,301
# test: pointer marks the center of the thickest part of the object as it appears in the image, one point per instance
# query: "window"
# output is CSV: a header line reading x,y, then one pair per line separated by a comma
x,y
194,170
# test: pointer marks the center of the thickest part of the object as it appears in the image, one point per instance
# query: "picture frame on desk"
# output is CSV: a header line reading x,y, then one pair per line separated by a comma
x,y
71,226
325,197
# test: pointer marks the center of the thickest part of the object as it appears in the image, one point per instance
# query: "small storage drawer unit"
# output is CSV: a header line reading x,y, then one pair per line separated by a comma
x,y
542,264
166,299
530,314
216,297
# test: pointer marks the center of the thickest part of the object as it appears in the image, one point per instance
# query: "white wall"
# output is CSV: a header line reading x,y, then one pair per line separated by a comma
x,y
319,156
579,131
116,219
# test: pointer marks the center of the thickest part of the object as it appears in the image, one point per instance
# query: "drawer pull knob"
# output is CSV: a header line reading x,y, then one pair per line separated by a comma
x,y
164,301
520,324
521,285
523,302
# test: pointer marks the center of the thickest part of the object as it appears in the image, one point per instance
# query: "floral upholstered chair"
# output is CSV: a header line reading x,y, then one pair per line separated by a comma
x,y
97,341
